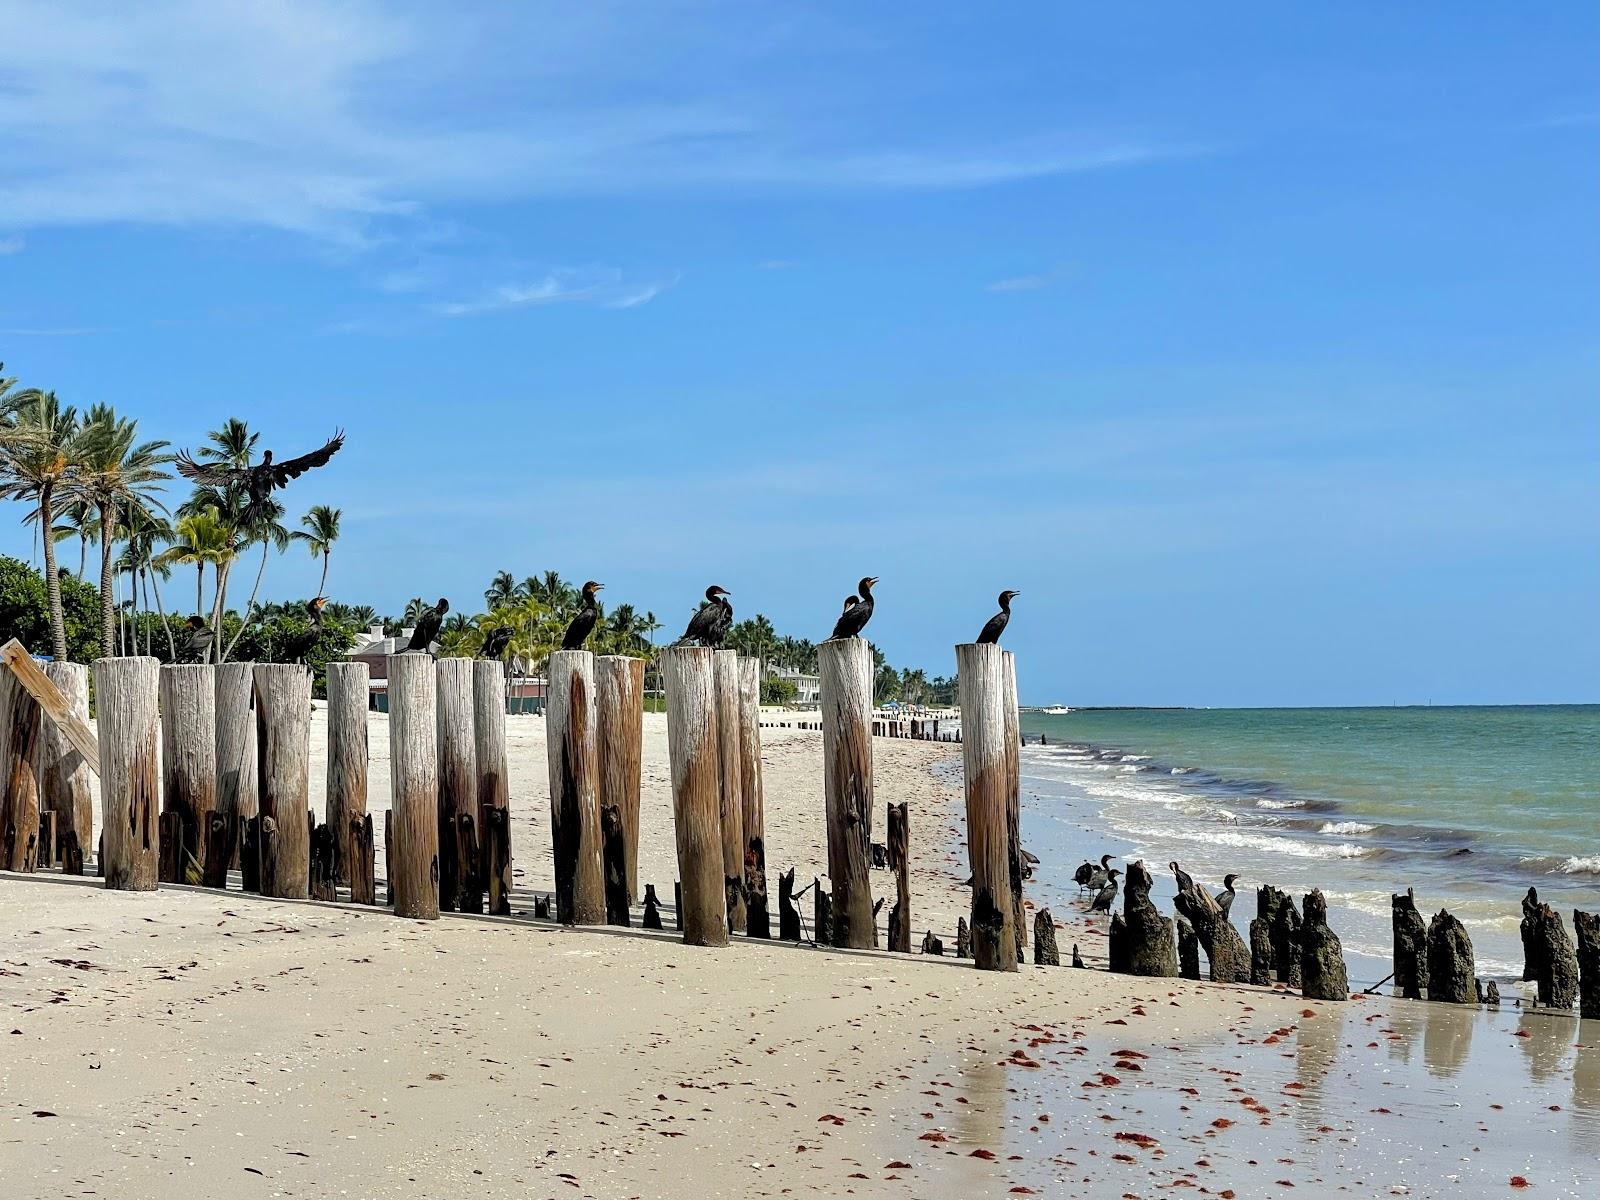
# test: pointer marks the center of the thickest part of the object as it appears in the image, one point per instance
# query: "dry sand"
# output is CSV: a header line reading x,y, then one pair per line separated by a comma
x,y
184,1043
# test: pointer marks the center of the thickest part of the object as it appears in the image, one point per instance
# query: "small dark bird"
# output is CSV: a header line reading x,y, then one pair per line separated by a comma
x,y
257,483
1108,893
1185,881
1224,898
997,623
495,642
710,625
1082,875
297,645
1077,959
428,626
197,646
583,623
855,616
1097,877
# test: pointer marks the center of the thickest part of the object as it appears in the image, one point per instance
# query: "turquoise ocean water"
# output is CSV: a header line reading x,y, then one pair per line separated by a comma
x,y
1469,806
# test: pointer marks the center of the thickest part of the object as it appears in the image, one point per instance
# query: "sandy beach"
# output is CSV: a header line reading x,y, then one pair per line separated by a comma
x,y
184,1042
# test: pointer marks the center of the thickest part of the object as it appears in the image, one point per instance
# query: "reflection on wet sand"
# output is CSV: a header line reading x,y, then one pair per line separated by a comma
x,y
1316,1050
1447,1037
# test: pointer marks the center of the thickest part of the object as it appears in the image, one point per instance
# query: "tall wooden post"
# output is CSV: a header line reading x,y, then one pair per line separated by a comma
x,y
574,764
283,765
412,849
689,678
1013,732
189,756
899,854
984,700
349,685
494,787
846,694
459,886
127,714
725,670
21,725
757,916
65,774
620,709
236,742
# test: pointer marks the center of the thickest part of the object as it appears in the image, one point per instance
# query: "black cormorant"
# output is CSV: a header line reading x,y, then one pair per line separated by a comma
x,y
256,483
298,645
428,626
583,623
710,625
1224,898
855,616
997,623
1185,883
197,646
1083,874
495,642
1097,877
1108,893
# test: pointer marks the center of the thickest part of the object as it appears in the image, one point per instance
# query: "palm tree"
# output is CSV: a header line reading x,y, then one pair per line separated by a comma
x,y
415,607
502,593
266,528
143,531
199,538
41,445
116,472
320,533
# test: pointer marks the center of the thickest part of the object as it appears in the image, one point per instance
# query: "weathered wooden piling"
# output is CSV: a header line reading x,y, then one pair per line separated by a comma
x,y
494,783
45,854
1226,953
1148,948
574,764
980,668
323,884
1530,941
1557,977
127,715
689,677
900,863
846,695
1015,868
64,772
413,843
237,777
349,688
283,764
788,914
1586,929
1410,946
620,711
1045,951
189,756
757,919
1451,969
21,731
1189,953
614,860
725,670
459,889
821,914
361,860
1322,969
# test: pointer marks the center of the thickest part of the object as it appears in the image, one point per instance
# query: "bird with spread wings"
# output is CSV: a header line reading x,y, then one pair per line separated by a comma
x,y
256,483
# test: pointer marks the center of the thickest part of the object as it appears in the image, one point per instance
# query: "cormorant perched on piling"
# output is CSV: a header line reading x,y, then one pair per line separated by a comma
x,y
1097,877
1108,893
583,623
495,642
299,644
1224,898
997,623
1185,882
855,616
428,626
710,625
257,483
197,646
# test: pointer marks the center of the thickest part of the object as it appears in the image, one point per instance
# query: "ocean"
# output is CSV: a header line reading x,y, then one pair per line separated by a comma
x,y
1467,805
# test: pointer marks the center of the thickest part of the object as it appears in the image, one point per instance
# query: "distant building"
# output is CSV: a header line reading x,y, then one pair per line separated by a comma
x,y
525,692
807,688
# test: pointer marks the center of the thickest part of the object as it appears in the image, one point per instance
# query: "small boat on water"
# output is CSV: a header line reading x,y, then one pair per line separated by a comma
x,y
1056,710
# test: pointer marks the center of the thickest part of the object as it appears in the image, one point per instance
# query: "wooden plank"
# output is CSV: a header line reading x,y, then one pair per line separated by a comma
x,y
56,706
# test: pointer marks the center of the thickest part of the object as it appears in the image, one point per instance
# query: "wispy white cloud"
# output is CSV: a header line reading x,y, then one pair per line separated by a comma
x,y
604,287
12,245
343,120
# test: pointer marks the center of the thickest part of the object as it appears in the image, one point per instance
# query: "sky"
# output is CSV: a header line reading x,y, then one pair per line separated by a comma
x,y
1257,346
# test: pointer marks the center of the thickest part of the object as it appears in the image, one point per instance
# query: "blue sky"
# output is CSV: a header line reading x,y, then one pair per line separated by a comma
x,y
1257,346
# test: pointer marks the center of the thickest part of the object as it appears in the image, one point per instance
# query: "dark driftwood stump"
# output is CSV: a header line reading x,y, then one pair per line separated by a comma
x,y
899,860
1189,952
677,898
931,944
362,861
541,908
250,854
497,859
1146,936
45,853
1410,946
469,885
269,843
1558,961
758,919
1322,970
963,939
71,854
1451,977
1587,928
1261,972
1226,952
614,861
822,914
788,914
222,840
652,908
169,859
1045,953
388,856
1117,945
324,877
1275,939
1530,943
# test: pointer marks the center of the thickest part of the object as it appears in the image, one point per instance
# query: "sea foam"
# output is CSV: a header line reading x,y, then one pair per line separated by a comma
x,y
1345,828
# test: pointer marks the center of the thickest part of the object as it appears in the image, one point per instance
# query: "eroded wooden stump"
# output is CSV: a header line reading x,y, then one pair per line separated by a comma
x,y
1410,946
1045,953
362,860
1451,968
1322,969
